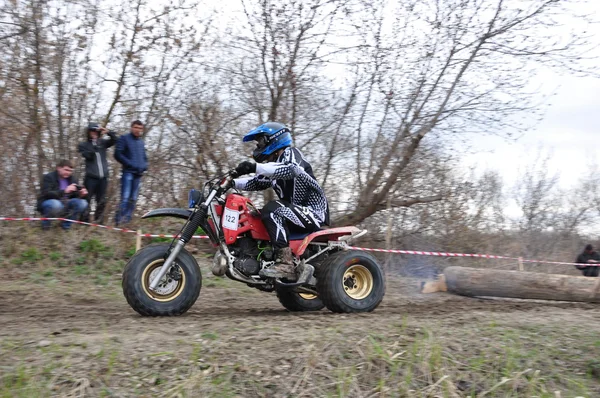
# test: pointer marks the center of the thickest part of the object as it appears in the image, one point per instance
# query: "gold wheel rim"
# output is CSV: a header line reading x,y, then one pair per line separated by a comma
x,y
307,296
162,294
358,282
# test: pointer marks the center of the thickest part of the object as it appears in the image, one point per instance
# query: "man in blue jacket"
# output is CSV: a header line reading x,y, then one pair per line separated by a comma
x,y
130,152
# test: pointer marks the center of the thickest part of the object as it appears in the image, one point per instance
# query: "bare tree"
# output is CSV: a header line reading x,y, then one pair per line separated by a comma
x,y
447,68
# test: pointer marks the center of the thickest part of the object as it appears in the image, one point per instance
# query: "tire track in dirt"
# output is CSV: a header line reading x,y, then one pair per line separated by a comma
x,y
22,310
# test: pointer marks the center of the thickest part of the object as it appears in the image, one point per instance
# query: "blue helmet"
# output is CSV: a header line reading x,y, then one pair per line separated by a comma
x,y
270,137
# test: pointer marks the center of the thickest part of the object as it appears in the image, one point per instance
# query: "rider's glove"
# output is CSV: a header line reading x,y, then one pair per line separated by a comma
x,y
246,167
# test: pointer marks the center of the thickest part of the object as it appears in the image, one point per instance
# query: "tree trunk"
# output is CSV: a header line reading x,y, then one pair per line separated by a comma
x,y
526,285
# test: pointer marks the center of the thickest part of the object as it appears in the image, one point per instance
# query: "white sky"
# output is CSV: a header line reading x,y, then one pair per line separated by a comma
x,y
570,132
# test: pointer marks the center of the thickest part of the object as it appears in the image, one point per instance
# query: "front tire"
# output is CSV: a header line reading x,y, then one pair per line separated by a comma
x,y
351,281
173,296
299,302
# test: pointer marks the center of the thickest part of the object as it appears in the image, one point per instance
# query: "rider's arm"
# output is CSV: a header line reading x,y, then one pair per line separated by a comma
x,y
279,171
256,183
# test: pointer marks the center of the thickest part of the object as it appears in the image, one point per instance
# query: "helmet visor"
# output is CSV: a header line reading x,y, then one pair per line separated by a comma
x,y
262,141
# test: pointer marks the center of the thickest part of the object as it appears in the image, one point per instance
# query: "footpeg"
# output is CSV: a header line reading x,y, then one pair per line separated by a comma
x,y
306,273
305,278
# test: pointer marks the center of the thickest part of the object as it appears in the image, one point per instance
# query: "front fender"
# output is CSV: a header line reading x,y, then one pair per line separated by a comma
x,y
169,212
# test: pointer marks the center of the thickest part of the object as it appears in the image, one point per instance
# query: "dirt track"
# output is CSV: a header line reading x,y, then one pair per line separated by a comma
x,y
29,312
235,328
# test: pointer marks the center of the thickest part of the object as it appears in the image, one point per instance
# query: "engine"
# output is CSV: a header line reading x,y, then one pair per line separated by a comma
x,y
248,255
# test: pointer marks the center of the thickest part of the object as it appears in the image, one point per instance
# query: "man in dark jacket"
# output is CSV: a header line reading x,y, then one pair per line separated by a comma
x,y
61,196
589,256
131,153
96,167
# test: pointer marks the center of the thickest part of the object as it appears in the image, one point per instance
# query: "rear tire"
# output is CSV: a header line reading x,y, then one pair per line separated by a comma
x,y
299,302
173,297
351,281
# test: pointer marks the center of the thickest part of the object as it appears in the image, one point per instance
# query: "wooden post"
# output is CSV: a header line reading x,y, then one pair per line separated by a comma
x,y
521,264
138,240
388,234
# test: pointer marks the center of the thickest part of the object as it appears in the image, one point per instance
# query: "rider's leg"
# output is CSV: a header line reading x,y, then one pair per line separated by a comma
x,y
277,217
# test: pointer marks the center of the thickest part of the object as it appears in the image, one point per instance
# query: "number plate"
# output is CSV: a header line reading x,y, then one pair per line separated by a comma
x,y
231,219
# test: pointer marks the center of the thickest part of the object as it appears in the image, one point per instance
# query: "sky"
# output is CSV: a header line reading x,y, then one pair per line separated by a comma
x,y
569,132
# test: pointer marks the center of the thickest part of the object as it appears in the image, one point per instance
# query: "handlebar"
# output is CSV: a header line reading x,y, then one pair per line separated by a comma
x,y
226,181
220,183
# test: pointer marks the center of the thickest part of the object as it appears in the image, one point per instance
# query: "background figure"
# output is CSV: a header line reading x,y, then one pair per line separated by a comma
x,y
589,256
96,167
61,196
131,153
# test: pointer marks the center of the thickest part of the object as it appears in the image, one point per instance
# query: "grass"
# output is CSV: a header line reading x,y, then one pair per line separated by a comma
x,y
31,255
420,367
245,353
403,361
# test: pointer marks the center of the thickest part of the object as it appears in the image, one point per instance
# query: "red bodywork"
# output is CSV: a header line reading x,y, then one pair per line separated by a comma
x,y
249,221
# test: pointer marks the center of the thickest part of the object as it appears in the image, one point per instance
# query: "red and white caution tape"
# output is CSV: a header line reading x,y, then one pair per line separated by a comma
x,y
96,225
414,252
171,236
443,254
422,253
66,219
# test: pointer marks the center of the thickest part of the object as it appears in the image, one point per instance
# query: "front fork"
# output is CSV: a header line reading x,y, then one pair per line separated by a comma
x,y
167,264
195,221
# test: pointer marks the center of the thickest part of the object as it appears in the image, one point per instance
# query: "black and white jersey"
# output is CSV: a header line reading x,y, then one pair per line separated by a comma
x,y
292,178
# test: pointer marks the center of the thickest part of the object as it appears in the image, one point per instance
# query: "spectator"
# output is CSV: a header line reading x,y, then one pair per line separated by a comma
x,y
130,152
96,167
61,196
589,256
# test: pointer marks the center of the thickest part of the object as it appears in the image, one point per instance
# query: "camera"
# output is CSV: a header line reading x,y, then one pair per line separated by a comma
x,y
78,187
95,127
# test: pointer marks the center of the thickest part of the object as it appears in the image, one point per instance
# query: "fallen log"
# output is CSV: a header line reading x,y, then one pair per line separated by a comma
x,y
438,285
518,284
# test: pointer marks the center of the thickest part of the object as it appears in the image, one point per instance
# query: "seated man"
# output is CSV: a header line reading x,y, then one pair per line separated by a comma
x,y
61,196
302,206
589,256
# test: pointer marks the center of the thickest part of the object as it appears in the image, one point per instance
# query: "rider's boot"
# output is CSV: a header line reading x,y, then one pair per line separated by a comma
x,y
283,268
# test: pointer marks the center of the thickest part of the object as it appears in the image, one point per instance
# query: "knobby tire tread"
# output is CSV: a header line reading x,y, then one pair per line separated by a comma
x,y
326,283
291,303
132,295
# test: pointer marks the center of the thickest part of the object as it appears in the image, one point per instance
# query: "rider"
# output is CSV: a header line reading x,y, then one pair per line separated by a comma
x,y
302,205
